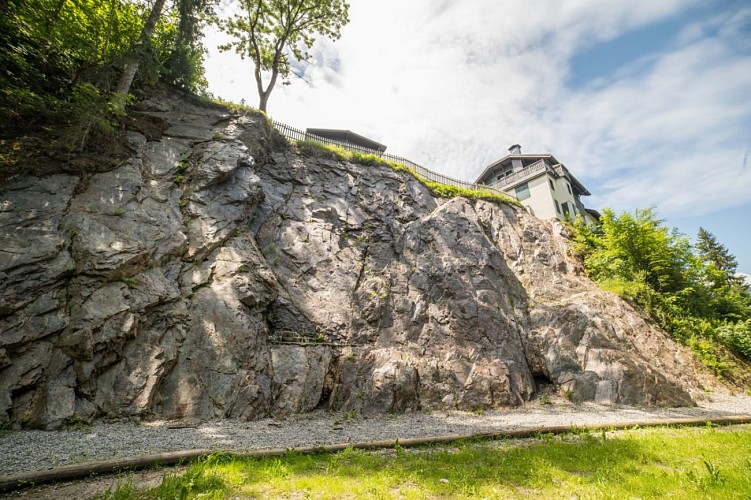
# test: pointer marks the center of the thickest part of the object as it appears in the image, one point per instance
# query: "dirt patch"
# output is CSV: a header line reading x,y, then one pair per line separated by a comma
x,y
152,127
94,486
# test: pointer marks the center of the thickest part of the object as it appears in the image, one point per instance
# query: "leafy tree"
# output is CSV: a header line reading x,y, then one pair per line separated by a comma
x,y
51,46
136,54
727,294
184,66
689,291
61,62
637,247
270,32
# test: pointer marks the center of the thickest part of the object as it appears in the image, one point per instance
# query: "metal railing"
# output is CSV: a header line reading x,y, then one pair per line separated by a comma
x,y
293,134
524,172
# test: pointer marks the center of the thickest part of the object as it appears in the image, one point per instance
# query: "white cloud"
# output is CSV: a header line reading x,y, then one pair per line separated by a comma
x,y
451,84
672,137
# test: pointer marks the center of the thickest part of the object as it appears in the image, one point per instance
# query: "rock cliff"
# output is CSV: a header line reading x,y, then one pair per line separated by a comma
x,y
217,272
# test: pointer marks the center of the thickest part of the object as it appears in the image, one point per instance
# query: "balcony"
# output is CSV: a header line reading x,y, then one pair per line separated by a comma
x,y
528,171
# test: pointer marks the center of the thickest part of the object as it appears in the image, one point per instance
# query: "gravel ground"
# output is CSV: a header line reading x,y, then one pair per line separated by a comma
x,y
22,451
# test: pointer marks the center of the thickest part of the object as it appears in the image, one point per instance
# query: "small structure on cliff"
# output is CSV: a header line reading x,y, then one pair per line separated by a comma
x,y
348,138
541,183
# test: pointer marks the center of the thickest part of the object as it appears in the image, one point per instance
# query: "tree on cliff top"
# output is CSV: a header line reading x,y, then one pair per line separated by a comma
x,y
270,32
133,61
61,63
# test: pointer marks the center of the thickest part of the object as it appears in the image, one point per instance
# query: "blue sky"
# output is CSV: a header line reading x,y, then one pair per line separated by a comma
x,y
647,102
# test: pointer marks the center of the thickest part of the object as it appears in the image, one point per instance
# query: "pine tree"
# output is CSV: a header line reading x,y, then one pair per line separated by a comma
x,y
715,253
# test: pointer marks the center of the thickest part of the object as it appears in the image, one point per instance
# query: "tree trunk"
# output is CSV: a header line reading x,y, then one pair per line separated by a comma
x,y
134,60
264,94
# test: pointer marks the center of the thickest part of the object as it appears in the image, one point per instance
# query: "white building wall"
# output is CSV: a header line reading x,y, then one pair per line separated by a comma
x,y
564,194
542,200
540,203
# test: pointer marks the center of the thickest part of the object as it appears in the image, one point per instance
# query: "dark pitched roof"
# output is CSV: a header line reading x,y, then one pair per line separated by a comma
x,y
347,136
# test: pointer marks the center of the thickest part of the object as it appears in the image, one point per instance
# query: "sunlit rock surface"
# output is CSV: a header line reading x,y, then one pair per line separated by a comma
x,y
218,273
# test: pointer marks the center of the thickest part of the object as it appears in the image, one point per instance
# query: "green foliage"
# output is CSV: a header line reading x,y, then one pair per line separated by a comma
x,y
689,290
59,55
276,33
120,490
61,61
737,336
715,253
648,463
320,150
130,281
368,159
184,64
200,480
637,247
447,191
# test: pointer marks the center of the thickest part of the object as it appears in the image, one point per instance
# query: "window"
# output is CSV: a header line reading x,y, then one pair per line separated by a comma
x,y
552,186
569,188
522,192
557,206
565,209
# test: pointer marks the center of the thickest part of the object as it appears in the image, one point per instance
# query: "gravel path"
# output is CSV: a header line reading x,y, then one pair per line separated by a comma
x,y
22,451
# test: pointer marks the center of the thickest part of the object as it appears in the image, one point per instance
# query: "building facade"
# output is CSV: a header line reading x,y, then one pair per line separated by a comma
x,y
541,183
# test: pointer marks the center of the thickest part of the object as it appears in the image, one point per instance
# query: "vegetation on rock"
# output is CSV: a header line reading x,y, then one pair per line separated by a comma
x,y
64,63
315,148
690,290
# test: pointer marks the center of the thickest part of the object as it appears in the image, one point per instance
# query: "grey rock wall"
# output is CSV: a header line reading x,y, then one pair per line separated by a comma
x,y
218,273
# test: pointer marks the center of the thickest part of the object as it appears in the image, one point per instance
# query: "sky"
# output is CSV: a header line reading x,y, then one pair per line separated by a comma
x,y
646,102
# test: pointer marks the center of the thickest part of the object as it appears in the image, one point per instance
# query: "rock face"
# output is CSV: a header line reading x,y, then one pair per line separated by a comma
x,y
218,273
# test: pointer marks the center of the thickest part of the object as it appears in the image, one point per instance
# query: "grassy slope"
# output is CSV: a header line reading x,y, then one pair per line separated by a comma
x,y
315,148
648,463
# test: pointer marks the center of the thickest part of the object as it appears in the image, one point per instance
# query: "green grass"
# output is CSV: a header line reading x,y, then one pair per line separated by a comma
x,y
320,150
706,462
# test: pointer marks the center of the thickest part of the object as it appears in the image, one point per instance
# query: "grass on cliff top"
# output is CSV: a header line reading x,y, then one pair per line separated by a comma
x,y
320,150
708,462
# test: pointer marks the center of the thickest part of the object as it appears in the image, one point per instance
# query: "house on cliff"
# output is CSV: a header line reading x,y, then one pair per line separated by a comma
x,y
347,138
541,183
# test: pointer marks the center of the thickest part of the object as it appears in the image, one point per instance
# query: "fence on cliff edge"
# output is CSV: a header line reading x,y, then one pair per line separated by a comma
x,y
294,134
